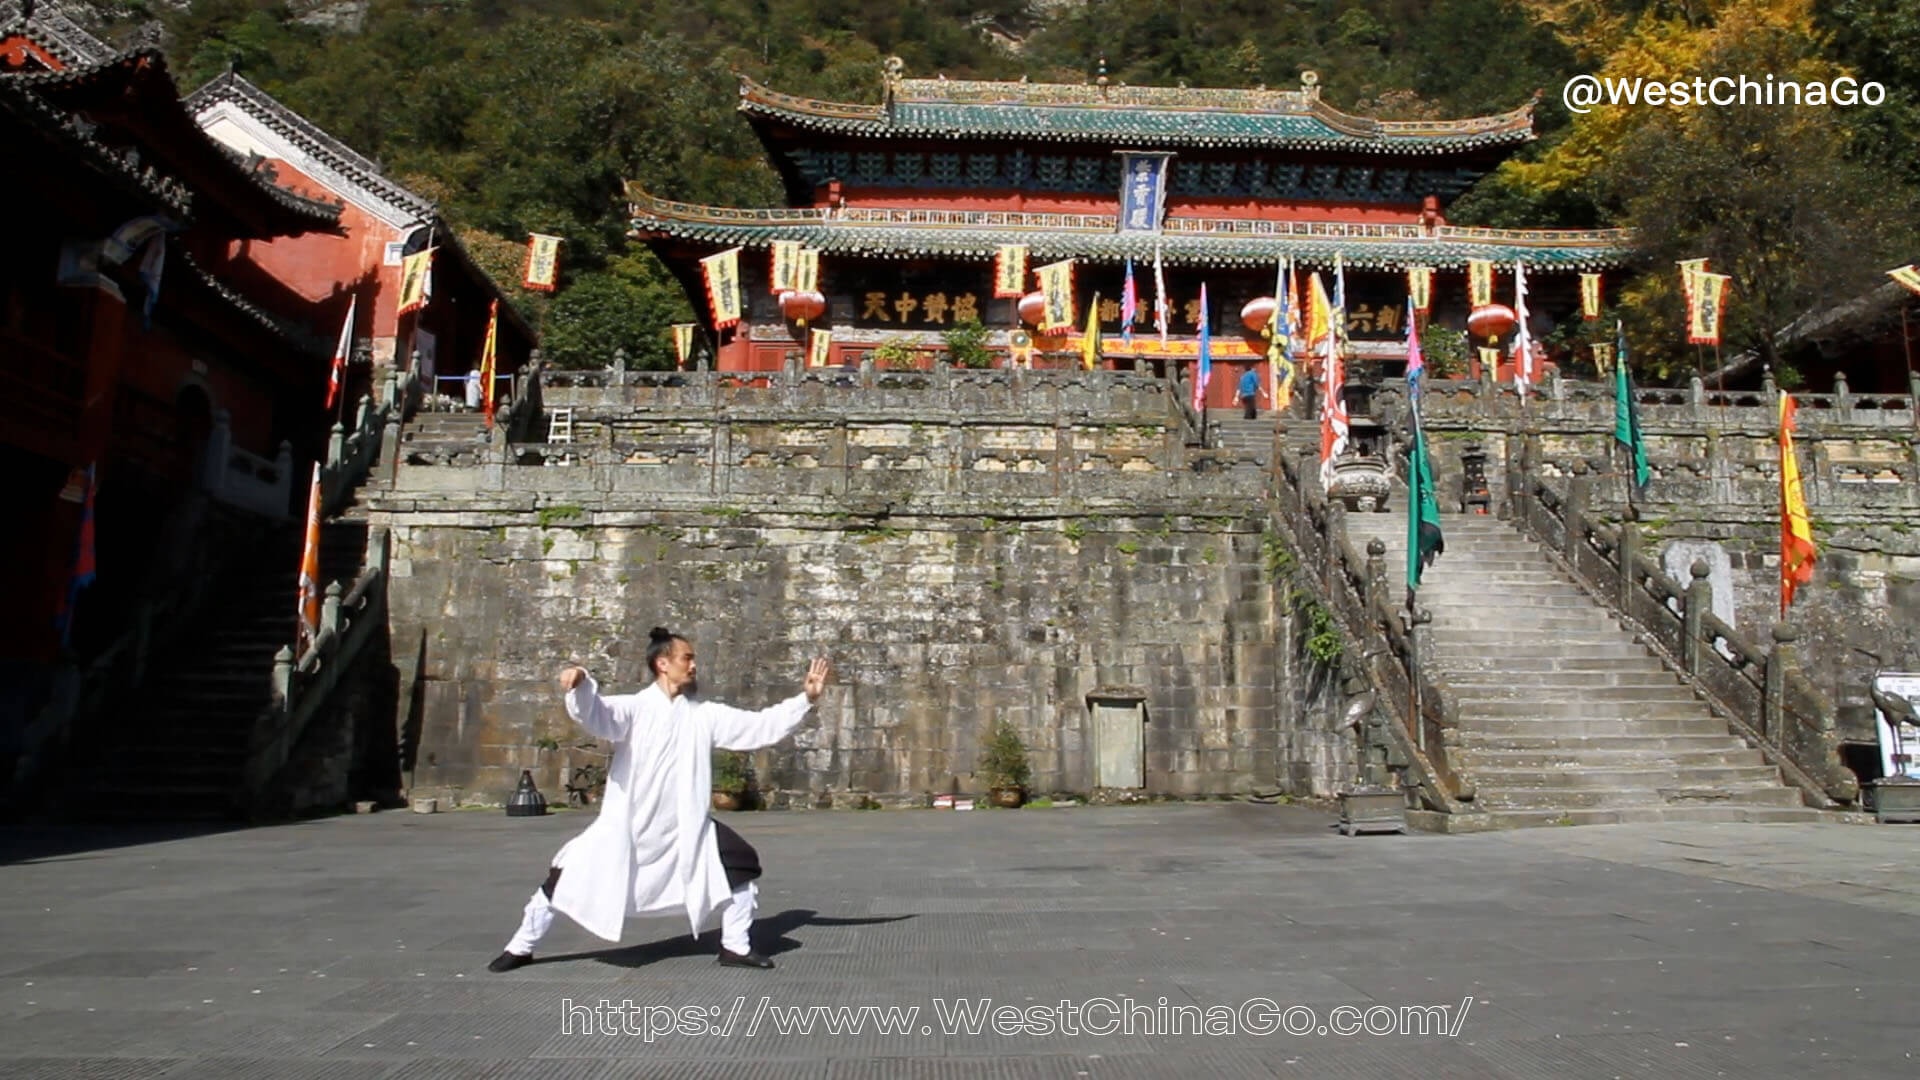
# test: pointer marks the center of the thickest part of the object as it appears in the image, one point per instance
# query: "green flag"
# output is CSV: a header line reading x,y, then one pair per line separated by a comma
x,y
1423,509
1626,416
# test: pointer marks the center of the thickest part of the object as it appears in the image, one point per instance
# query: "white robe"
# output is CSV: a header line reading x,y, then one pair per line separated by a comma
x,y
652,849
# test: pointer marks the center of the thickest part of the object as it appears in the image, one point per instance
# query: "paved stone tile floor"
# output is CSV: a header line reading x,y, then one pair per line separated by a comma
x,y
1168,940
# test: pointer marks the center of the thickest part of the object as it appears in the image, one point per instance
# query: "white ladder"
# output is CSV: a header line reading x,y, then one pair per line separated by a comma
x,y
560,426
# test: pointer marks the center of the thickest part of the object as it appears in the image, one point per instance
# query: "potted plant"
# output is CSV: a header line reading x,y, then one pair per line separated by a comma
x,y
729,779
1003,765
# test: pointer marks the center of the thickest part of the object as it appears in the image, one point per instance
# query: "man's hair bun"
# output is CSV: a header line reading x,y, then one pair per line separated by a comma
x,y
660,633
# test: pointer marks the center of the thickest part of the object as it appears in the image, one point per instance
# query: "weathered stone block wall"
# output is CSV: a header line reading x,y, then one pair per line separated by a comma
x,y
936,625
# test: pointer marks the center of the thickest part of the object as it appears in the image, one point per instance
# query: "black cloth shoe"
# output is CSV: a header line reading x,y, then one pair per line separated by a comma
x,y
749,959
507,961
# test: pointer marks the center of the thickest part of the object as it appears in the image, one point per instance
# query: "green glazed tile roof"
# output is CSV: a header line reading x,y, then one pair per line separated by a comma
x,y
903,234
1139,116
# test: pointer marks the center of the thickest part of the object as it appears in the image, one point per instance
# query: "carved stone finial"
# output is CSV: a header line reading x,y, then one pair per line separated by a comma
x,y
1376,547
1699,569
1580,467
1785,633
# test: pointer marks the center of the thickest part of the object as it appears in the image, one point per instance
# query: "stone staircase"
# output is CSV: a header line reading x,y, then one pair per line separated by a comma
x,y
1252,440
1565,718
181,752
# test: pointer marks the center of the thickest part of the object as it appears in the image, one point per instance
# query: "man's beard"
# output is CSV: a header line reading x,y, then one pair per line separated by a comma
x,y
692,686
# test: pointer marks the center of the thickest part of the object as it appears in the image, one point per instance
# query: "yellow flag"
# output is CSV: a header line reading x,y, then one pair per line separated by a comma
x,y
1090,342
416,281
682,344
488,360
1705,303
1797,549
1319,312
786,263
806,271
819,348
722,274
1010,270
1490,362
1602,357
1479,282
1589,296
543,263
1420,288
1056,286
1908,275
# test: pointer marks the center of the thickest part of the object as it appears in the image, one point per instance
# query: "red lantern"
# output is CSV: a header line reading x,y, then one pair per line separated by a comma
x,y
801,306
1033,308
1258,313
1491,321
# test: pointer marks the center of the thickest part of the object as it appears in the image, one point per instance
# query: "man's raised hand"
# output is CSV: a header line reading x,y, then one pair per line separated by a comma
x,y
817,673
570,677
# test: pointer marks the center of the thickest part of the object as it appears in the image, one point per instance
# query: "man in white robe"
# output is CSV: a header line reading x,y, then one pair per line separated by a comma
x,y
654,847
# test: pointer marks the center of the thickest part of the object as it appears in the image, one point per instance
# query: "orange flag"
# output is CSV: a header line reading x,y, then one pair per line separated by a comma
x,y
309,599
487,360
1796,530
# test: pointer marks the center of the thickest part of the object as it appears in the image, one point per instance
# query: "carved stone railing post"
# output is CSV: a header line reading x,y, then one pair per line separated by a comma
x,y
1699,605
1335,539
1513,508
1697,396
330,608
1579,497
1418,620
1842,397
283,676
1629,550
336,445
1782,662
1376,576
619,377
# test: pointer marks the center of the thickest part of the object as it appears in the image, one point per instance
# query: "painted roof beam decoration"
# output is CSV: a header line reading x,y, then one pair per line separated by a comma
x,y
883,233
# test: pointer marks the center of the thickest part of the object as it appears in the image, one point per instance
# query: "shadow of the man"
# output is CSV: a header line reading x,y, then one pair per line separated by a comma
x,y
770,936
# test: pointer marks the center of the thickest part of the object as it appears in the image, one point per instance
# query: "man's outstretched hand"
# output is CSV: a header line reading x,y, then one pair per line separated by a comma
x,y
817,673
570,677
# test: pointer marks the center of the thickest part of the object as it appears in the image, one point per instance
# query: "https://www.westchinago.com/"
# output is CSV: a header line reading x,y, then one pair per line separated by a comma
x,y
750,1017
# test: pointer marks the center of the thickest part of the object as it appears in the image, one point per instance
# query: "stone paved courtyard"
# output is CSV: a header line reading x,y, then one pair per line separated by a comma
x,y
356,947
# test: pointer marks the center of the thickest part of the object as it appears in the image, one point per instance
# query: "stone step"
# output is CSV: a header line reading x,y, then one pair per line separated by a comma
x,y
1478,712
1514,798
1529,620
1536,596
1536,681
1669,720
1588,777
1481,742
1657,755
1573,643
1457,663
1644,815
1575,698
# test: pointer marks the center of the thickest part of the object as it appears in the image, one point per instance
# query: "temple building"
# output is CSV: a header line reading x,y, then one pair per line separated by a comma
x,y
125,348
908,202
380,221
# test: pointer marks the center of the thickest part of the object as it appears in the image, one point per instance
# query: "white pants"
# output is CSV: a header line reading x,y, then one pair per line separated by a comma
x,y
736,918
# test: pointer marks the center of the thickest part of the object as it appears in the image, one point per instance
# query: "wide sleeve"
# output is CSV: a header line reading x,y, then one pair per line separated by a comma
x,y
608,720
738,729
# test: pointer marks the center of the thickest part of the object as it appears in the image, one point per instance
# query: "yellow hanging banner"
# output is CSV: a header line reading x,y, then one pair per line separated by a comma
x,y
1056,287
786,266
806,271
416,281
819,348
1420,288
1589,296
1602,357
722,274
682,344
1908,275
1690,269
543,263
1705,304
1010,270
1479,282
